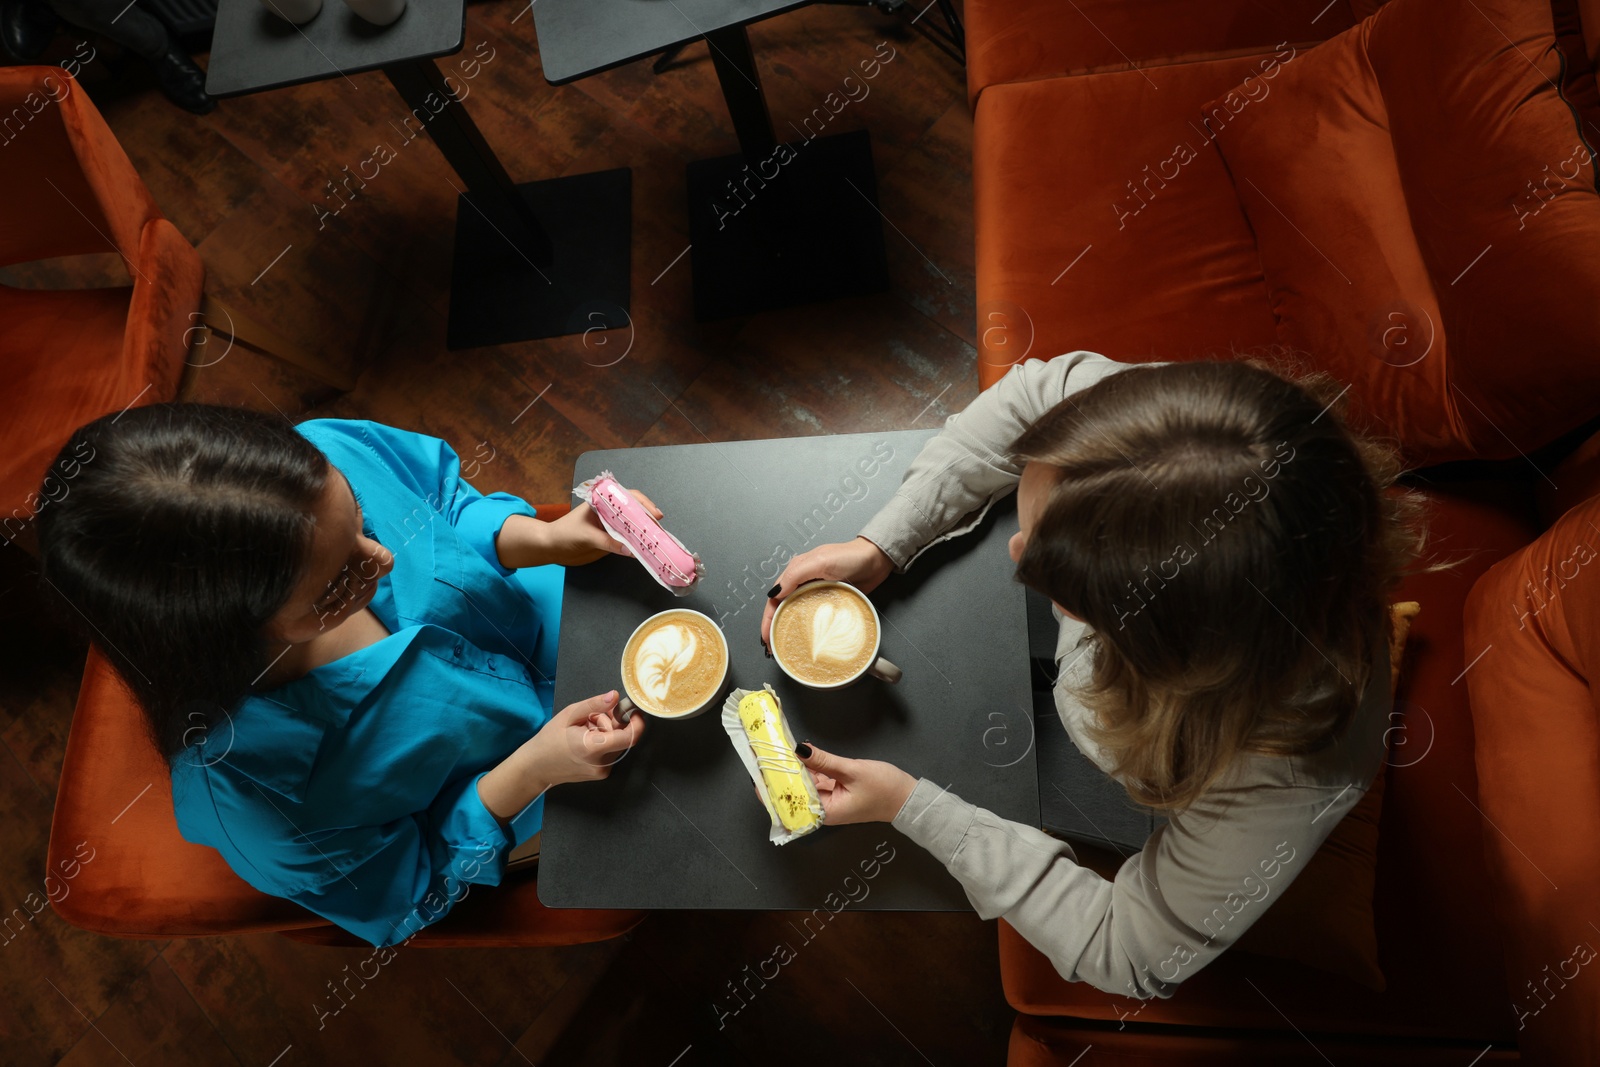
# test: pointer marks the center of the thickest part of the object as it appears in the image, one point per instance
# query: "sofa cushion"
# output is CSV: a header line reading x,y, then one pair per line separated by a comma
x,y
1426,212
1589,13
1438,933
1024,40
1533,626
1082,244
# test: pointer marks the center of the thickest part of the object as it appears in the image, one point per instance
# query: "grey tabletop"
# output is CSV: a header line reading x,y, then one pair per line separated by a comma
x,y
253,49
677,824
578,38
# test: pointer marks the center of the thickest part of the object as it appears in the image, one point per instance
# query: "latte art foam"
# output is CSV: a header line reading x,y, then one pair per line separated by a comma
x,y
662,657
825,635
838,636
674,663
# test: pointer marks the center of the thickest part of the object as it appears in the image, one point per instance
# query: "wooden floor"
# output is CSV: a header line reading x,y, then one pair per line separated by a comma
x,y
368,288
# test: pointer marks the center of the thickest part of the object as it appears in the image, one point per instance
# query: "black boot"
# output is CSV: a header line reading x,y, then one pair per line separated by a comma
x,y
26,28
182,81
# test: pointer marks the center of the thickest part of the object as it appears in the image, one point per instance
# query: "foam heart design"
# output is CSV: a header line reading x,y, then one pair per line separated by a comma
x,y
837,636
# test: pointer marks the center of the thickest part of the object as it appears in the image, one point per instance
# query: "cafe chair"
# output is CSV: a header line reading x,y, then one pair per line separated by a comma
x,y
138,878
71,355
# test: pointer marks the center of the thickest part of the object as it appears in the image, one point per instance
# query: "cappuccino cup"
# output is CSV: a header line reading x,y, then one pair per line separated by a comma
x,y
826,635
673,666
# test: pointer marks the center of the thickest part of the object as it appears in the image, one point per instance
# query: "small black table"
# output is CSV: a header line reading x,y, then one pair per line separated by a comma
x,y
540,259
677,824
776,225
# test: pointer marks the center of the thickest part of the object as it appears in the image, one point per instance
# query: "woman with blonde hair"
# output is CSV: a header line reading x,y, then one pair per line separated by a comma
x,y
1217,545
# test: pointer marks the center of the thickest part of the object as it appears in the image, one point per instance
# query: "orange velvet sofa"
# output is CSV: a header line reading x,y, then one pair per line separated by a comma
x,y
1404,196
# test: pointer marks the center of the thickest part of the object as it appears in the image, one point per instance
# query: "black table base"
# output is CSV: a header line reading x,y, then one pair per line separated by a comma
x,y
535,260
540,259
797,226
499,295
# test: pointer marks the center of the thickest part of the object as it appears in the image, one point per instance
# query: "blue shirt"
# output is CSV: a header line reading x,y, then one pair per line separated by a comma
x,y
353,790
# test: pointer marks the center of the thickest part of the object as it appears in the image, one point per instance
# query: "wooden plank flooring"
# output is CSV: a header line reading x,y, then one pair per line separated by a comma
x,y
253,187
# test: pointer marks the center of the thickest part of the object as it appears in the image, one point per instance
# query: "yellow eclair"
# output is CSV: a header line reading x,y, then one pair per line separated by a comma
x,y
787,779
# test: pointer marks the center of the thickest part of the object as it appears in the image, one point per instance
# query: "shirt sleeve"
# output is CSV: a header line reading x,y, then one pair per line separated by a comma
x,y
1199,883
416,869
430,467
960,473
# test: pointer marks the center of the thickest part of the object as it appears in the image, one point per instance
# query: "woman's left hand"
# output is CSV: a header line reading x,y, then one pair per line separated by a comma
x,y
572,540
856,790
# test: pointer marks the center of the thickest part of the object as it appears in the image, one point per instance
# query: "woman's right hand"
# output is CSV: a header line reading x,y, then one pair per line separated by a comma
x,y
579,743
582,741
859,562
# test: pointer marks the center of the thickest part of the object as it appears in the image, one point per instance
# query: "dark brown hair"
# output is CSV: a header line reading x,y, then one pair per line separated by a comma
x,y
184,532
1229,541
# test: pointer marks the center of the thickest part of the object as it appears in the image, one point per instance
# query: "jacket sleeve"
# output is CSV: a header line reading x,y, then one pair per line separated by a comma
x,y
411,872
1198,884
960,473
432,469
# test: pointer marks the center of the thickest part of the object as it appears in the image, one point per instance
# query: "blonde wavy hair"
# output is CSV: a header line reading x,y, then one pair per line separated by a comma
x,y
1230,541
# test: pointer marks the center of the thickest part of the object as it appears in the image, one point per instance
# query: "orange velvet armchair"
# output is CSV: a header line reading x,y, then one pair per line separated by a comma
x,y
143,880
69,356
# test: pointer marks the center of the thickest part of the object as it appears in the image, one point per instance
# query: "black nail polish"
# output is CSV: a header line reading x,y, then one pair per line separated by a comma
x,y
774,591
767,650
803,750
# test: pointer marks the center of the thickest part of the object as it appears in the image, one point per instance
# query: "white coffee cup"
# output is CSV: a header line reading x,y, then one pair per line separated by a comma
x,y
377,12
294,11
876,665
626,705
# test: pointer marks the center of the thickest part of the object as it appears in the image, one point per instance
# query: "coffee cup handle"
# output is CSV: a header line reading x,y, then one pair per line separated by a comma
x,y
625,709
884,671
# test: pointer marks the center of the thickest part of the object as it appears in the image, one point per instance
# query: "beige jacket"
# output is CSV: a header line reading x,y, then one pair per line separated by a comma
x,y
1202,879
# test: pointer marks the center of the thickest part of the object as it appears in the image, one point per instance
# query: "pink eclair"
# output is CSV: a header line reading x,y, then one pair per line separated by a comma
x,y
664,556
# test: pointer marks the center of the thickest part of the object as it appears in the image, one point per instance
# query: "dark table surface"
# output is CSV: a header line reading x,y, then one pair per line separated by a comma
x,y
1077,800
252,49
578,38
677,824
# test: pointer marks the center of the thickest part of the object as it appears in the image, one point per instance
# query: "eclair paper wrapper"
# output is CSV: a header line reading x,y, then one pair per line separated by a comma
x,y
777,834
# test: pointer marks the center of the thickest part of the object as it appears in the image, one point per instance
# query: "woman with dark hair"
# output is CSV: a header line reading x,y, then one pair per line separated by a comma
x,y
344,652
1217,545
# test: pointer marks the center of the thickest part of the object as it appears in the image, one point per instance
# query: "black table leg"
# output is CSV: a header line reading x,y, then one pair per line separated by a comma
x,y
741,88
952,22
490,188
513,277
779,225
